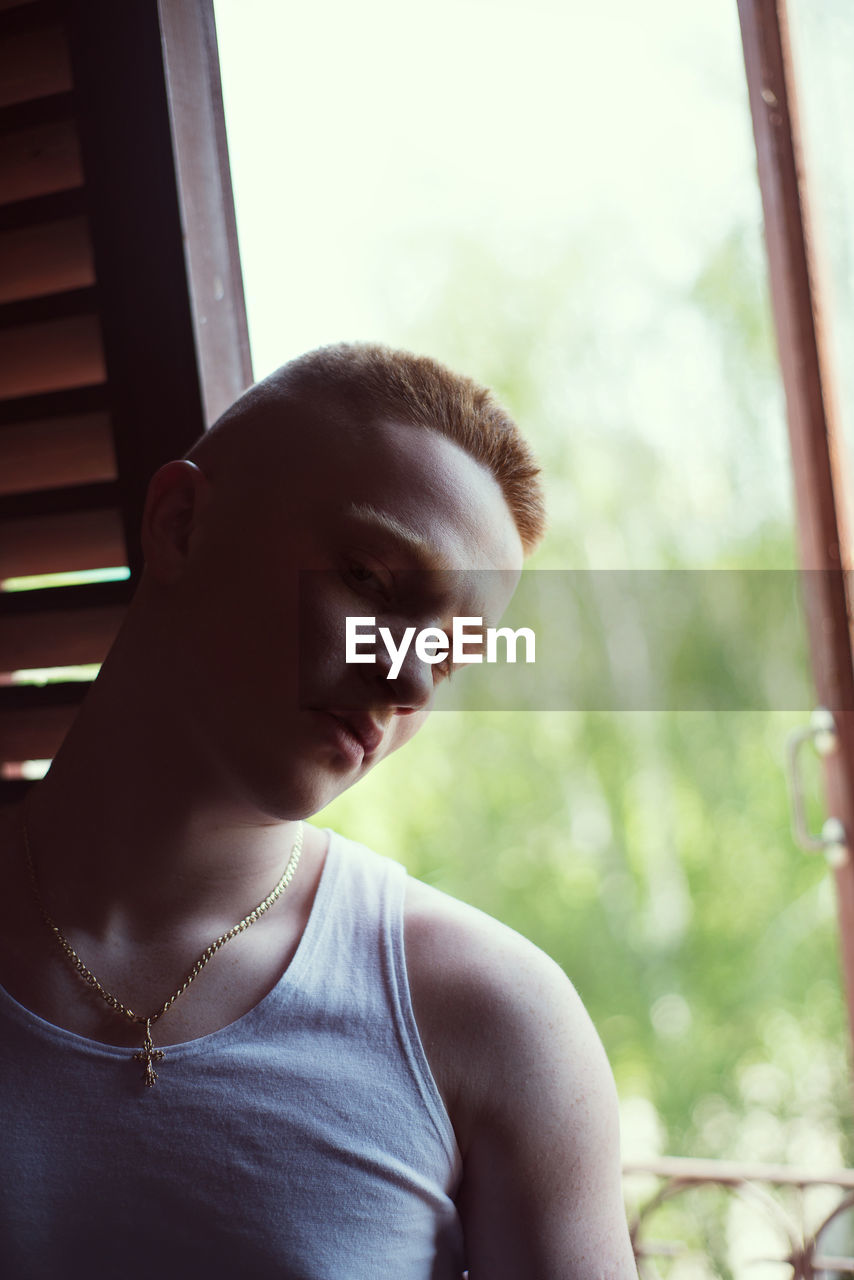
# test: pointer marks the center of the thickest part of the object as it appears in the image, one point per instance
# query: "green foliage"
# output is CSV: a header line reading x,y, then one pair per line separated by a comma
x,y
648,852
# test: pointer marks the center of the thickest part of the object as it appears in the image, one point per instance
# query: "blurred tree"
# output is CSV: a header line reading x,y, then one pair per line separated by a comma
x,y
648,852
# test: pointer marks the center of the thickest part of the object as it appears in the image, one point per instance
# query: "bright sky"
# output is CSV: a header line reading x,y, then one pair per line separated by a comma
x,y
356,130
423,177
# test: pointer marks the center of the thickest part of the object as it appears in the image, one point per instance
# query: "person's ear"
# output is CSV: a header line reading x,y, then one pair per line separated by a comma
x,y
178,494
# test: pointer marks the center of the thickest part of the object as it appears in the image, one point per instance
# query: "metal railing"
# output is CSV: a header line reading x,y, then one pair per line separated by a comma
x,y
808,1235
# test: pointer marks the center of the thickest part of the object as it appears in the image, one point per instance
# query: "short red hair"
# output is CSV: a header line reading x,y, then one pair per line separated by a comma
x,y
374,381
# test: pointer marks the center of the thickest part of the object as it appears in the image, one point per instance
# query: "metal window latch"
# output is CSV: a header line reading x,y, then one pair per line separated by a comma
x,y
832,841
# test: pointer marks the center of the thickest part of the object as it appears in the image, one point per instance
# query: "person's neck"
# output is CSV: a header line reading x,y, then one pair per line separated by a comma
x,y
132,831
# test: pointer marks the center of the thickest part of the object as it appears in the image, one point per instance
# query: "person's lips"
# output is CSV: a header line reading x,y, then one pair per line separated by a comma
x,y
368,734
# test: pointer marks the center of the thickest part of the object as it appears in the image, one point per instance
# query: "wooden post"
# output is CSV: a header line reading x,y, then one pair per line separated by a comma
x,y
149,115
812,417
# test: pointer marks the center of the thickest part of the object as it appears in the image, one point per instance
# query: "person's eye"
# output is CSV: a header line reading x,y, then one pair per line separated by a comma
x,y
363,577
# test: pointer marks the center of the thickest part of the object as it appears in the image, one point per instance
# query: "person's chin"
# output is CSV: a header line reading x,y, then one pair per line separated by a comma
x,y
312,798
315,783
307,771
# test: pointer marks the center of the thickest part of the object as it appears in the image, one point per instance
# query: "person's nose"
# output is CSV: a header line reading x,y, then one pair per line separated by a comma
x,y
411,687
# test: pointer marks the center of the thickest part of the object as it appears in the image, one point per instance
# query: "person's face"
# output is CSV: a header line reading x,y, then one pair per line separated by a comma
x,y
387,521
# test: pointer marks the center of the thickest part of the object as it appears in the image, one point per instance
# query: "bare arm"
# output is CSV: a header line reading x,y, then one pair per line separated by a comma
x,y
533,1102
542,1192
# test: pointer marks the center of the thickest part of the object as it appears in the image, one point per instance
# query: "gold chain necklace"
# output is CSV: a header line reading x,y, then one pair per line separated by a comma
x,y
148,1054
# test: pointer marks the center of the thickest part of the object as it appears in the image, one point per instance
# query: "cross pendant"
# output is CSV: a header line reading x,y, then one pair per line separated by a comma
x,y
149,1055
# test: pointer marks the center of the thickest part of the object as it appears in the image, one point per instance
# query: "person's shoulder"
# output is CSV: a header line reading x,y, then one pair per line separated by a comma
x,y
471,950
496,1008
530,1093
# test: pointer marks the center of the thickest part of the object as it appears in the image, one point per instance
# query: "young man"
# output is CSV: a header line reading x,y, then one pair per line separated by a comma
x,y
367,1079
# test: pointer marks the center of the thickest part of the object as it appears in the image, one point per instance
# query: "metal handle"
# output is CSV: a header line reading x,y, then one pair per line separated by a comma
x,y
832,841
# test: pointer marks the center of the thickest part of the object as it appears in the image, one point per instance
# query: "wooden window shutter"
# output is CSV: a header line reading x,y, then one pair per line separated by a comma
x,y
122,322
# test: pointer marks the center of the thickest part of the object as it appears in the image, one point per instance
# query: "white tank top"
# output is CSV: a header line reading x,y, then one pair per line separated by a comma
x,y
305,1141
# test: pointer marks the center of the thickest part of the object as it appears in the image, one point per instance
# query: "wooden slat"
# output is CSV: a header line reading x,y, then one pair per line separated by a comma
x,y
38,697
31,715
61,544
48,357
52,452
33,64
45,259
53,109
39,160
22,16
51,306
41,209
13,788
35,733
76,599
54,404
60,638
62,501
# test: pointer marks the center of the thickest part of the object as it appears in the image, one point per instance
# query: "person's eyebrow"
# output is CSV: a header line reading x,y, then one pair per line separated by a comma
x,y
417,547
